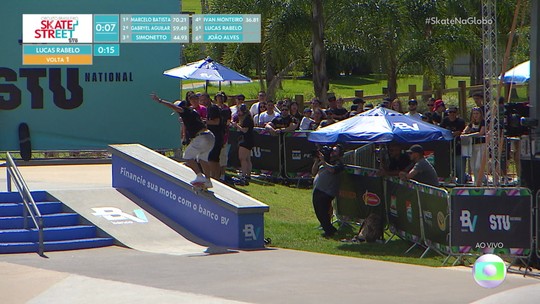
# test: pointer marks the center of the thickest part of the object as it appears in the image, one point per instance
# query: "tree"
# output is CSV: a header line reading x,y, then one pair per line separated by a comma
x,y
320,79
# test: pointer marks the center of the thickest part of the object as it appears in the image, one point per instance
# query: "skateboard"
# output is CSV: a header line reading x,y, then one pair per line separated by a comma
x,y
199,187
24,142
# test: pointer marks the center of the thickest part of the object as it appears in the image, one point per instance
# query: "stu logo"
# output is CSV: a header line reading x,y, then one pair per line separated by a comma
x,y
466,223
11,94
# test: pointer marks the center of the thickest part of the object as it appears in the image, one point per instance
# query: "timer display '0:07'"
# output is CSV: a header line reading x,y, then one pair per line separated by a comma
x,y
105,27
106,50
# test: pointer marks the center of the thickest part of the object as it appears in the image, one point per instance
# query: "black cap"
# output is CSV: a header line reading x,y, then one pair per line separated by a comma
x,y
358,100
413,101
416,148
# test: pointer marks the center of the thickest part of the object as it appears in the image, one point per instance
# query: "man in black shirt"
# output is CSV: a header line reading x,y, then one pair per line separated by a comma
x,y
283,123
456,124
201,140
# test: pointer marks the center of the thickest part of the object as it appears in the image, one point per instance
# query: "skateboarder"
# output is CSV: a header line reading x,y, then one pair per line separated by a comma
x,y
201,140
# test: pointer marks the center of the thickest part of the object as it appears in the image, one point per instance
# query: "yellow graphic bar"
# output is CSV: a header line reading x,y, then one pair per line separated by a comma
x,y
57,59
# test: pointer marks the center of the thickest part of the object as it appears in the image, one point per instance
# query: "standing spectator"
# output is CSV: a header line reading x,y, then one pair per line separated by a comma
x,y
360,102
315,104
245,142
195,104
475,132
293,107
354,110
478,98
240,98
307,123
396,106
430,104
201,139
261,97
413,107
340,113
438,111
262,109
332,103
326,186
328,121
268,115
317,117
423,171
204,99
456,124
214,123
368,106
226,117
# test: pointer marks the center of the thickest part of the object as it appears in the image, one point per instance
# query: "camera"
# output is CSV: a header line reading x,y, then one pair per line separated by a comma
x,y
326,151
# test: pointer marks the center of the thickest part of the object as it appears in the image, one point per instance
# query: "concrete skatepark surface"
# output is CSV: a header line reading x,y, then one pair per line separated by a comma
x,y
123,275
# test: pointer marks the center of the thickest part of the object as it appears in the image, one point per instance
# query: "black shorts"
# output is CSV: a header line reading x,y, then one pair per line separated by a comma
x,y
216,150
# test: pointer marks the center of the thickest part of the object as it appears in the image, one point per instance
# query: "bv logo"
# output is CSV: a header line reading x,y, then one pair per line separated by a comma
x,y
117,216
249,232
466,222
406,127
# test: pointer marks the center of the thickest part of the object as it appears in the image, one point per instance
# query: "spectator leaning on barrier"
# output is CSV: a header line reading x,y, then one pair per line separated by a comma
x,y
474,133
294,109
326,168
422,172
307,123
283,123
201,140
268,115
396,161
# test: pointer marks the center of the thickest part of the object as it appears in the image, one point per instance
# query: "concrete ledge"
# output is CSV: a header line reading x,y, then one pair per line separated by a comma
x,y
224,217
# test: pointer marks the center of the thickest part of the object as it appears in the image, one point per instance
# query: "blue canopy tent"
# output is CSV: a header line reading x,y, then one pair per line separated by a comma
x,y
521,73
379,125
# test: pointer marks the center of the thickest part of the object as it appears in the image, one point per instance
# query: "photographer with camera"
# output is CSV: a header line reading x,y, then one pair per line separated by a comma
x,y
326,169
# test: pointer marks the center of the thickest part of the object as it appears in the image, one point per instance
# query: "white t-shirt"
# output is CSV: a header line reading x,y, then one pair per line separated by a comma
x,y
305,124
415,115
254,110
265,118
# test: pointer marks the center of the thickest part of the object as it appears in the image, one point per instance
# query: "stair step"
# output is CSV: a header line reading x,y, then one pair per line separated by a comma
x,y
49,234
16,209
24,247
49,220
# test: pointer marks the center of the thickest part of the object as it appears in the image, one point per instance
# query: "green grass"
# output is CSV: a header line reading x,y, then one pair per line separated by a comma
x,y
341,86
291,223
191,6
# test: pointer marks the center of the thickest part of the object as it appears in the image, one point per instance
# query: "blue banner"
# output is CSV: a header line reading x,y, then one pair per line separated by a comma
x,y
70,107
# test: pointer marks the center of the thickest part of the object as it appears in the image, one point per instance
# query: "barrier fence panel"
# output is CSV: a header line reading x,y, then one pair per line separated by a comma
x,y
435,209
298,154
265,155
491,220
537,223
404,209
361,193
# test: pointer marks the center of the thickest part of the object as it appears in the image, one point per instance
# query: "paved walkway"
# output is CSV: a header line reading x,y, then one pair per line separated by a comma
x,y
122,275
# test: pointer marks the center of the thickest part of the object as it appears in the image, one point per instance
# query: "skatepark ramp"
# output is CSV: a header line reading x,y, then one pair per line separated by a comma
x,y
222,216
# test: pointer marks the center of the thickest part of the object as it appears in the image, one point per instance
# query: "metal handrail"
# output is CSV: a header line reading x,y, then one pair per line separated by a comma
x,y
31,208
